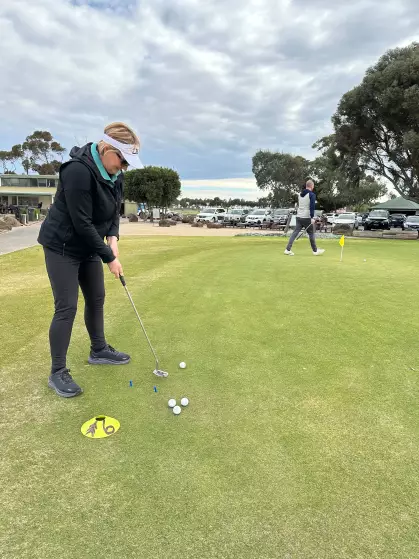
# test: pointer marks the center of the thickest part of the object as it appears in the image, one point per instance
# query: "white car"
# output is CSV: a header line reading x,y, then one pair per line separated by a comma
x,y
331,218
235,216
258,217
211,214
412,222
347,218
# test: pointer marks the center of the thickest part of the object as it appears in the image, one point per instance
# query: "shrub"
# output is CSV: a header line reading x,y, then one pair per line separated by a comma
x,y
343,229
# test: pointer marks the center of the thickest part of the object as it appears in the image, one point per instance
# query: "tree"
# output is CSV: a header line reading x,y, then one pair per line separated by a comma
x,y
335,188
15,155
377,123
38,153
157,187
265,201
282,174
5,160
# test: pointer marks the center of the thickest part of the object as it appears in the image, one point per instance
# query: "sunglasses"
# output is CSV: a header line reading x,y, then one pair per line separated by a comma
x,y
124,162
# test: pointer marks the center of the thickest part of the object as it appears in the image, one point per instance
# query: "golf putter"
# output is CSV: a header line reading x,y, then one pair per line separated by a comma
x,y
158,372
304,231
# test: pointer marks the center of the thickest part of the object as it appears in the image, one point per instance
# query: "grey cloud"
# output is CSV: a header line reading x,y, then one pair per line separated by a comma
x,y
205,83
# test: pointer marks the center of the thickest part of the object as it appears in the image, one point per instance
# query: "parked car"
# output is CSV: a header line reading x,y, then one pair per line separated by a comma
x,y
397,220
412,222
331,218
235,216
211,214
258,217
377,219
347,218
280,217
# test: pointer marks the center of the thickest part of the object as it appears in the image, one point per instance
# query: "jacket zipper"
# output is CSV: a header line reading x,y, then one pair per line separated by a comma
x,y
63,248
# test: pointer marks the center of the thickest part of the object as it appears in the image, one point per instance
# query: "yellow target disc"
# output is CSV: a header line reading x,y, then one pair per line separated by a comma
x,y
100,427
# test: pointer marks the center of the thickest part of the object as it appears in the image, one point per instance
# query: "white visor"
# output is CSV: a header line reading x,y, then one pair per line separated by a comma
x,y
129,151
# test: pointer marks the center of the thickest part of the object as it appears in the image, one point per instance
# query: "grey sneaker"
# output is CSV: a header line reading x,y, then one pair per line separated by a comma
x,y
108,356
319,251
63,384
288,252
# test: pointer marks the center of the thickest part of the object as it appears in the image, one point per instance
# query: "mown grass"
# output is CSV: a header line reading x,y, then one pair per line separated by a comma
x,y
301,439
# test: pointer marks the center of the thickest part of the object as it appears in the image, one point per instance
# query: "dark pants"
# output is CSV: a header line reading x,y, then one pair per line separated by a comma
x,y
303,223
65,275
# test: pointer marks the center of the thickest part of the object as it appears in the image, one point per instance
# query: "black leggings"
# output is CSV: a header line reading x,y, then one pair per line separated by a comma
x,y
65,275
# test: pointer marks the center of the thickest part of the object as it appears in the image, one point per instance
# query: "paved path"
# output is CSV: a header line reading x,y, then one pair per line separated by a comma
x,y
18,238
25,237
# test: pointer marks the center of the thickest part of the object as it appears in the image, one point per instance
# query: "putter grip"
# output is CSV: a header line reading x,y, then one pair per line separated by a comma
x,y
124,283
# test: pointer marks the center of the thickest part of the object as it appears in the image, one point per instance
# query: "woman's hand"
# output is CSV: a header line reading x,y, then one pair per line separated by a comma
x,y
113,244
116,268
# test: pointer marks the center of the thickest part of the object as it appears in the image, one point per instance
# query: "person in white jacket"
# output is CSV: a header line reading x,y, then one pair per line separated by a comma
x,y
305,219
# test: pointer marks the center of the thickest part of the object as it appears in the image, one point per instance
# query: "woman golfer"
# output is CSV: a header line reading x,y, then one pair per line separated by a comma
x,y
85,211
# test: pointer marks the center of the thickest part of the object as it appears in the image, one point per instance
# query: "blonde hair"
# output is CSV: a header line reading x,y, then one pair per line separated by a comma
x,y
122,133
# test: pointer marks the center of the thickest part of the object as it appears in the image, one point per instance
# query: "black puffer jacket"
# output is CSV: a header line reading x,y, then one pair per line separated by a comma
x,y
85,210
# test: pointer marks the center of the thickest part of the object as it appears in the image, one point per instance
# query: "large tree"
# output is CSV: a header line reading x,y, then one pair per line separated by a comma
x,y
39,153
157,187
5,160
377,123
280,174
336,189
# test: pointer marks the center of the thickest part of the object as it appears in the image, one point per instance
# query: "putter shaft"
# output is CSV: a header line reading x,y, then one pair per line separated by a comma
x,y
139,320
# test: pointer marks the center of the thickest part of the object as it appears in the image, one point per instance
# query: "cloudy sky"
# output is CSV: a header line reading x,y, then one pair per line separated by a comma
x,y
205,82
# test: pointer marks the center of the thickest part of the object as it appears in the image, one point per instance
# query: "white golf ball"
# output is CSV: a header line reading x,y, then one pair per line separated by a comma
x,y
177,410
184,402
172,403
365,259
182,365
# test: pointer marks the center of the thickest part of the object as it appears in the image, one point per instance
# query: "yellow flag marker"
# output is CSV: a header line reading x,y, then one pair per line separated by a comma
x,y
100,427
342,244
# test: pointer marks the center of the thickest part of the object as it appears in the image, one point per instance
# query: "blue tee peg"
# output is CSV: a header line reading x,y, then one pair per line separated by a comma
x,y
155,388
130,383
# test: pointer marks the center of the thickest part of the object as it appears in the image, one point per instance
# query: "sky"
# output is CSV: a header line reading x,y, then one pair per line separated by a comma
x,y
204,83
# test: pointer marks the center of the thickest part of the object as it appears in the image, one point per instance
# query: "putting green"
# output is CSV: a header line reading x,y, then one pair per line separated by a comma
x,y
301,438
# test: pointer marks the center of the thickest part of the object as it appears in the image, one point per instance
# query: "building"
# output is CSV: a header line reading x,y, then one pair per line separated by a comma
x,y
28,190
399,205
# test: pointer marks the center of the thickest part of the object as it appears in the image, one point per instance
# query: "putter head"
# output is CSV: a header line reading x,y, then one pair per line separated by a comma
x,y
160,373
